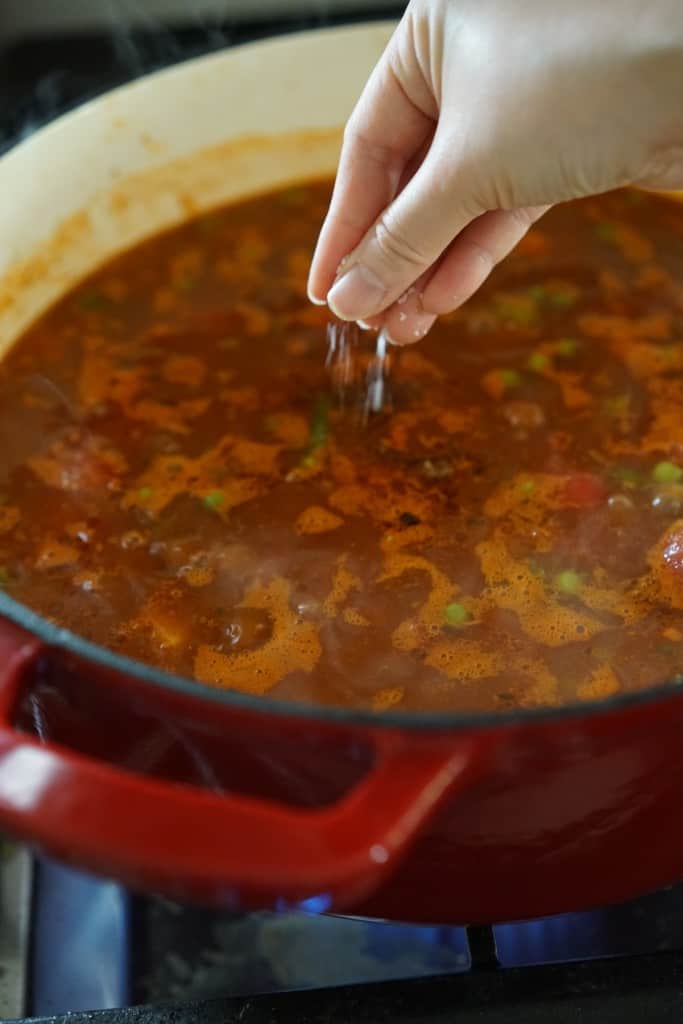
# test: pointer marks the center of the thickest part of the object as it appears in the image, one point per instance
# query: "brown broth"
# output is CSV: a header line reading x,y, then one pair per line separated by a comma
x,y
182,483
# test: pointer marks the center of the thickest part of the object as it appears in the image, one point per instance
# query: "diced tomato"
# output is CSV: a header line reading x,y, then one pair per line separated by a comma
x,y
585,490
672,553
666,561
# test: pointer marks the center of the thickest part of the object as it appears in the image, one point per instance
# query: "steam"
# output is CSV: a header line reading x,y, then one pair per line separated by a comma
x,y
125,40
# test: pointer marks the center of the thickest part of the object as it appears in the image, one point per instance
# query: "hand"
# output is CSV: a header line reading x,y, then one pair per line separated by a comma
x,y
479,116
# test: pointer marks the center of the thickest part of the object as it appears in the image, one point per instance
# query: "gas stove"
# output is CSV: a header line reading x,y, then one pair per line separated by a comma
x,y
71,944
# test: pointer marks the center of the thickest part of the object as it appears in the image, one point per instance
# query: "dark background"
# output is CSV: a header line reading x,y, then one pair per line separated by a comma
x,y
54,54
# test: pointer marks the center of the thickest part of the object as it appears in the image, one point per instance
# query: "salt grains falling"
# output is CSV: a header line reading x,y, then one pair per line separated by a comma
x,y
355,387
377,378
342,346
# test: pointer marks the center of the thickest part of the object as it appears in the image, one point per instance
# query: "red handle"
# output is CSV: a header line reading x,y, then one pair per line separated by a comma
x,y
193,843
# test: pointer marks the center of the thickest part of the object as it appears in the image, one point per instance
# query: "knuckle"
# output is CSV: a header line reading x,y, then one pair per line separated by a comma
x,y
663,168
522,217
395,248
359,145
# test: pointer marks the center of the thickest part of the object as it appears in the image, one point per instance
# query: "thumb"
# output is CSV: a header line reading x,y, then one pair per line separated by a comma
x,y
403,243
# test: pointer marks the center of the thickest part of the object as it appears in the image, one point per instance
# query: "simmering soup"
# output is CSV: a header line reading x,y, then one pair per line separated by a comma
x,y
188,480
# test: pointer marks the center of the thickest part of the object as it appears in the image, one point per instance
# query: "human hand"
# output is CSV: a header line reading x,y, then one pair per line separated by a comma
x,y
478,117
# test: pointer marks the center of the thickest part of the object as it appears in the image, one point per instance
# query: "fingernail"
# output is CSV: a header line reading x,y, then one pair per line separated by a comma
x,y
357,294
315,299
365,326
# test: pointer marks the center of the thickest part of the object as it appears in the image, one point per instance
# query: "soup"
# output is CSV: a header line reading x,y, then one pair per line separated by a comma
x,y
192,476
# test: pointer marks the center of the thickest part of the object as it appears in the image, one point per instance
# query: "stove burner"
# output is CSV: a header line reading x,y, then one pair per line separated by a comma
x,y
96,946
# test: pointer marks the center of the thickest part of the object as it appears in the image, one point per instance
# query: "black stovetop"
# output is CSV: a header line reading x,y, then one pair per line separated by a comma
x,y
41,78
152,961
144,958
180,965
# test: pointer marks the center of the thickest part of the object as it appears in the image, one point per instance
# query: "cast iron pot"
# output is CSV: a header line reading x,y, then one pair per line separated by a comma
x,y
212,796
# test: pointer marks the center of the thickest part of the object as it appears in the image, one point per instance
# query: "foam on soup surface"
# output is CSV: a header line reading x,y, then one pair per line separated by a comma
x,y
184,481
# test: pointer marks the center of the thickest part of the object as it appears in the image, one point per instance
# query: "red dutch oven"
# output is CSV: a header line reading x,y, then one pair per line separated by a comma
x,y
208,795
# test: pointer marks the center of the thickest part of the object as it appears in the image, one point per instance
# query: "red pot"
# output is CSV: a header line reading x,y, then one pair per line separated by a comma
x,y
207,795
211,796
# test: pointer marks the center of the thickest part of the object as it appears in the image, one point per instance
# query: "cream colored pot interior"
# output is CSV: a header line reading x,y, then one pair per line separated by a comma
x,y
147,156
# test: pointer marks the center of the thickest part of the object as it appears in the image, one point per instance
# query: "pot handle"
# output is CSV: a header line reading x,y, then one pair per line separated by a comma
x,y
232,848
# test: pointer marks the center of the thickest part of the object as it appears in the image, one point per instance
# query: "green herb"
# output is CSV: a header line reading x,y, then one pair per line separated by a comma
x,y
667,473
214,500
456,614
561,299
537,362
566,347
553,295
520,309
4,576
145,493
626,475
318,435
528,487
510,378
568,581
320,426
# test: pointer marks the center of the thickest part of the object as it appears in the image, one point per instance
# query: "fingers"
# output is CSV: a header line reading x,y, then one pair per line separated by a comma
x,y
385,132
407,321
405,239
408,237
473,255
462,270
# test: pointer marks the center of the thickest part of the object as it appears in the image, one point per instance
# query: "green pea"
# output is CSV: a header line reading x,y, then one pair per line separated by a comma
x,y
456,614
561,299
566,347
214,500
538,362
568,581
510,378
667,473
